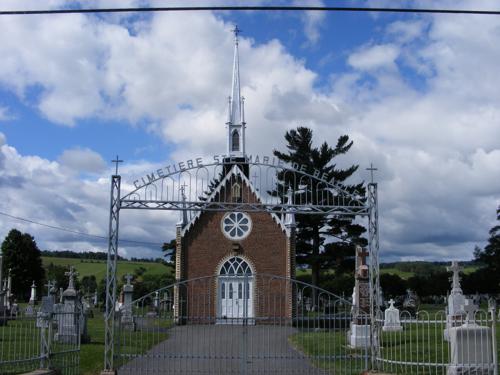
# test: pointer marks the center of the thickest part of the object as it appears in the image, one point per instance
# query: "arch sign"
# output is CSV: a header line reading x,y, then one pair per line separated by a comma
x,y
236,184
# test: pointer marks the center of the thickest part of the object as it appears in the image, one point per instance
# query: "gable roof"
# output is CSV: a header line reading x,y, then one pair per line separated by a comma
x,y
235,171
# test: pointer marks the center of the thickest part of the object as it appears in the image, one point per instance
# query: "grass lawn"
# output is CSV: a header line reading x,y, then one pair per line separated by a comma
x,y
421,342
86,267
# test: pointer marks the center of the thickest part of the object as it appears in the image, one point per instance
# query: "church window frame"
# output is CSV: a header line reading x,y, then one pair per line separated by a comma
x,y
235,141
236,266
236,226
236,192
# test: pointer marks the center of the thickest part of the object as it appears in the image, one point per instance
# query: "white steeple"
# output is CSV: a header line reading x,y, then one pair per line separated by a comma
x,y
236,115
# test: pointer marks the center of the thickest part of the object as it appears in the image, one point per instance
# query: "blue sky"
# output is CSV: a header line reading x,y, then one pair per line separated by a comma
x,y
418,94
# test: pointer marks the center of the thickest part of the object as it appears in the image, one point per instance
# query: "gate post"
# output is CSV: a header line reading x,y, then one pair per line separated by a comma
x,y
109,319
373,245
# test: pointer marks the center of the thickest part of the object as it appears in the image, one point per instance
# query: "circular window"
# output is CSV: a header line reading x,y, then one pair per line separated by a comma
x,y
236,225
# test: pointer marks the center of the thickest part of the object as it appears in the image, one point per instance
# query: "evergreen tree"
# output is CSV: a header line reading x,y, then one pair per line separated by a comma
x,y
323,241
168,249
22,256
490,256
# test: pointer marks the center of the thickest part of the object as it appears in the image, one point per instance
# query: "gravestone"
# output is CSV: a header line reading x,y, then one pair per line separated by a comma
x,y
127,318
8,292
68,314
391,319
456,300
411,302
470,347
30,309
94,299
359,333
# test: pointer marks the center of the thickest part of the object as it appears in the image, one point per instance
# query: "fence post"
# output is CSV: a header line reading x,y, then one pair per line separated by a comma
x,y
493,311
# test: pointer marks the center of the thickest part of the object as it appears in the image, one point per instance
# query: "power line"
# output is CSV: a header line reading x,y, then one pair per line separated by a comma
x,y
250,8
75,231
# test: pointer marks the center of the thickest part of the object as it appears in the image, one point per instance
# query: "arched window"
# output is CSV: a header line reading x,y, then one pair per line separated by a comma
x,y
235,142
236,192
235,266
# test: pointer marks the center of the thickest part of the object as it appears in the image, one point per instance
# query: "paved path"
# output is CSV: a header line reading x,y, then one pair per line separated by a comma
x,y
223,349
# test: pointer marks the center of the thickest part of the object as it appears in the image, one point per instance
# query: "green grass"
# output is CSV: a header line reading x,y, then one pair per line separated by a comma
x,y
394,271
86,267
421,342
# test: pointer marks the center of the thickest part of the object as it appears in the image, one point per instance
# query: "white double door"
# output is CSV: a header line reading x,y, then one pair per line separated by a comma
x,y
235,296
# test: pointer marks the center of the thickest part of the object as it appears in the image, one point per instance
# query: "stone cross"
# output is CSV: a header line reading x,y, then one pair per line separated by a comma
x,y
72,273
129,278
455,268
470,309
49,285
363,254
391,303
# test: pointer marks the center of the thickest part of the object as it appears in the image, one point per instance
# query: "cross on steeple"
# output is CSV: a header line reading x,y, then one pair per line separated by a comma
x,y
371,169
116,161
236,31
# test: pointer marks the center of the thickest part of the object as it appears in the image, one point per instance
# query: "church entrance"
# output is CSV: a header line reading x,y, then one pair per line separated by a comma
x,y
235,295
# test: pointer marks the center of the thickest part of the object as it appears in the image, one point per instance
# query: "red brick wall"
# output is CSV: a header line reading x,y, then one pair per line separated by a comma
x,y
204,247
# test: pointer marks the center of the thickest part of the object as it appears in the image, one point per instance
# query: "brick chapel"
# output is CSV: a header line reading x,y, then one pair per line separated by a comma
x,y
224,257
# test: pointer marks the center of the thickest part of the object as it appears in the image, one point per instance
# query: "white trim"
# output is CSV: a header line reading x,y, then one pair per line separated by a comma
x,y
235,171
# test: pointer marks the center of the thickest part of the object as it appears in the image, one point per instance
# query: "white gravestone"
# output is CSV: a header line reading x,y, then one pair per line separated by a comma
x,y
470,347
68,317
127,318
30,309
456,300
32,300
359,333
392,321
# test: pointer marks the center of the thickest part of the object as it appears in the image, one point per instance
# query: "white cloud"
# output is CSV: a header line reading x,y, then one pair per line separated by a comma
x,y
5,114
374,57
432,133
82,160
312,20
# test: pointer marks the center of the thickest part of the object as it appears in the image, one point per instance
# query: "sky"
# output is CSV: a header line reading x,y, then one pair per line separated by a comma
x,y
417,94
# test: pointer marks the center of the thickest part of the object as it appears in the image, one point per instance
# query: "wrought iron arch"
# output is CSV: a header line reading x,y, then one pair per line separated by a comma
x,y
267,185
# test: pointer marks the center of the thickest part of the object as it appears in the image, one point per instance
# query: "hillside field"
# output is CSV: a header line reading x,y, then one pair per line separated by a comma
x,y
87,267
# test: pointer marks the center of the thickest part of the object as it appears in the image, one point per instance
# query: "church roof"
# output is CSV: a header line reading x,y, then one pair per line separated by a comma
x,y
235,171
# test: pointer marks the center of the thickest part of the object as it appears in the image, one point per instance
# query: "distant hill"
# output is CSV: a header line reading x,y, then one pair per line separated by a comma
x,y
405,270
87,267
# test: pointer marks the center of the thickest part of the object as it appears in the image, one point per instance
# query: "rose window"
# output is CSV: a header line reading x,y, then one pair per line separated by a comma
x,y
236,225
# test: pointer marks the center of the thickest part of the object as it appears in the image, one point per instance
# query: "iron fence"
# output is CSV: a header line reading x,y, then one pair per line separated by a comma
x,y
434,343
39,340
239,325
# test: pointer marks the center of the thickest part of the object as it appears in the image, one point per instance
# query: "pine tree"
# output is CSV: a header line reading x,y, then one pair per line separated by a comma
x,y
169,250
490,256
22,256
323,241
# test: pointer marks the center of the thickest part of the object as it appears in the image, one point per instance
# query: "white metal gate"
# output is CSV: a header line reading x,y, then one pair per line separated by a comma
x,y
285,335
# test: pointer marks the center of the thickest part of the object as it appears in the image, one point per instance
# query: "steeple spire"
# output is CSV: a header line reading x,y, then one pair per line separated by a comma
x,y
236,117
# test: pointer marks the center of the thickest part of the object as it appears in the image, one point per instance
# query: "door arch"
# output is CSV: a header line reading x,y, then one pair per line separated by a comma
x,y
235,297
